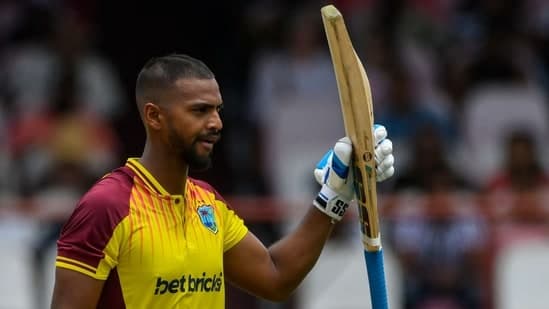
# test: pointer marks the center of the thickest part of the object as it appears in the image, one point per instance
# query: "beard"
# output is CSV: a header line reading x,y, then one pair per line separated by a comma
x,y
189,153
196,162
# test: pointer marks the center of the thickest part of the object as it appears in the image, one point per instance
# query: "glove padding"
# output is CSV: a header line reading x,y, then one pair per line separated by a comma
x,y
333,173
337,180
383,152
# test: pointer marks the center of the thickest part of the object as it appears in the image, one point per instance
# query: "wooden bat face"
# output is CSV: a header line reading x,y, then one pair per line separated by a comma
x,y
356,104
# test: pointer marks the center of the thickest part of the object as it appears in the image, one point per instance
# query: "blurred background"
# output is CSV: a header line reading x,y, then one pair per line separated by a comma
x,y
461,85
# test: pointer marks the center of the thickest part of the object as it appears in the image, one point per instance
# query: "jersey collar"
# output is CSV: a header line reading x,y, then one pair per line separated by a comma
x,y
148,178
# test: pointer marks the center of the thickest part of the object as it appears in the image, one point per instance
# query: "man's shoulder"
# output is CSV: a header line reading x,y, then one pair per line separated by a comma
x,y
202,184
111,192
206,187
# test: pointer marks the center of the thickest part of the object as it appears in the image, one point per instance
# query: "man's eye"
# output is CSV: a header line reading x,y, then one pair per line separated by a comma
x,y
201,110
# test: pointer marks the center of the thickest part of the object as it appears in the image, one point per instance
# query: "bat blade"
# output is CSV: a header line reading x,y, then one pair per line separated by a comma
x,y
356,105
357,109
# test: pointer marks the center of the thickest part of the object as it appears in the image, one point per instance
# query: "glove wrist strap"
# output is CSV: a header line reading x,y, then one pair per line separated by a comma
x,y
331,203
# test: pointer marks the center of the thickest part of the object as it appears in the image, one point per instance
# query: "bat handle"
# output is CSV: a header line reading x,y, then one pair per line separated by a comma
x,y
376,278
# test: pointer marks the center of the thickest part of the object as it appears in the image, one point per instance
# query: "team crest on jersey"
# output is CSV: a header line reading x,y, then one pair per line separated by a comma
x,y
207,217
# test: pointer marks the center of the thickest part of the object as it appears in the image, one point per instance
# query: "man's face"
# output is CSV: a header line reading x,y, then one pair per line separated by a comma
x,y
193,123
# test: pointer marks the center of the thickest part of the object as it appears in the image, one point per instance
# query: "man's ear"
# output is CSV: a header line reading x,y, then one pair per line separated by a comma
x,y
152,116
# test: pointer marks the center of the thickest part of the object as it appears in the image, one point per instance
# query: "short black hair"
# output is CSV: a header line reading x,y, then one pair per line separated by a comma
x,y
160,73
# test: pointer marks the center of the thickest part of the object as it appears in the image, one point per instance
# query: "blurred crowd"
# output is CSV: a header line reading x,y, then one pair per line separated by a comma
x,y
461,85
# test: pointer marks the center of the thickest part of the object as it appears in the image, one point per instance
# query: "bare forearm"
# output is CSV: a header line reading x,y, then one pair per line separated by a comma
x,y
295,255
274,273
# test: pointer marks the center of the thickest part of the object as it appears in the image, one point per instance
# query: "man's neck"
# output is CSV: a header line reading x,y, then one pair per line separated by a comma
x,y
167,169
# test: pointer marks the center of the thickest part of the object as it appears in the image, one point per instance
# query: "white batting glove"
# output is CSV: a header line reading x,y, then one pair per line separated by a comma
x,y
336,177
383,150
345,190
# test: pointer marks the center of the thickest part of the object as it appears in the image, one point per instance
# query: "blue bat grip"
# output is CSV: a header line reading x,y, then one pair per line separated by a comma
x,y
376,278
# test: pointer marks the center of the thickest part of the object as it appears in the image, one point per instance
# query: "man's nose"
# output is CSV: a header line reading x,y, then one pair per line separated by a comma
x,y
215,122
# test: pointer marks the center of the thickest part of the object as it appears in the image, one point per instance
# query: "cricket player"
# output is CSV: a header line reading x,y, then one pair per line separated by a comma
x,y
148,236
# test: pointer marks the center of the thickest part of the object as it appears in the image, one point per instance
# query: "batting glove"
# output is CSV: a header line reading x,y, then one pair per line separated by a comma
x,y
337,180
344,186
383,150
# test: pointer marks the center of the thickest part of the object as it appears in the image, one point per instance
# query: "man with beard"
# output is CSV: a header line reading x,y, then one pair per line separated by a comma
x,y
148,236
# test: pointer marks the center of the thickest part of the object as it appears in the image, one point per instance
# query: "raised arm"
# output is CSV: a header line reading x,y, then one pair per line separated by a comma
x,y
274,273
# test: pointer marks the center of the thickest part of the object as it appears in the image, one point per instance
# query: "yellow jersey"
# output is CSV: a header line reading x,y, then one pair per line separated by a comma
x,y
153,249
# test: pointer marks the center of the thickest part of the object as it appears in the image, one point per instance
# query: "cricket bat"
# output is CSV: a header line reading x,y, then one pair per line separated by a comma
x,y
356,105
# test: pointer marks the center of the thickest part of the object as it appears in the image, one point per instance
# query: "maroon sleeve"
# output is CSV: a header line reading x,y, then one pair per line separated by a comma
x,y
91,225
